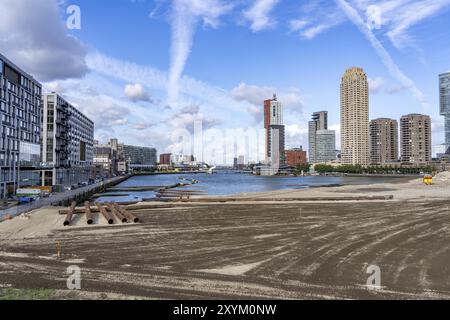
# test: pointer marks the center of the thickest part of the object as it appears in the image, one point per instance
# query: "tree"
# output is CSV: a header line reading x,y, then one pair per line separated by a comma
x,y
302,168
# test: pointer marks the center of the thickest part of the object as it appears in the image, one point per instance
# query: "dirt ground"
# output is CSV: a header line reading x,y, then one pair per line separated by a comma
x,y
282,250
310,251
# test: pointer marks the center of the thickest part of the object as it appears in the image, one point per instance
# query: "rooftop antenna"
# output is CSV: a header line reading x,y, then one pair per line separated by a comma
x,y
275,96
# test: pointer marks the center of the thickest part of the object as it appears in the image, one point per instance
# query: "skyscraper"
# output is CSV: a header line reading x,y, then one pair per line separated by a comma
x,y
383,141
415,138
444,95
275,133
319,122
355,117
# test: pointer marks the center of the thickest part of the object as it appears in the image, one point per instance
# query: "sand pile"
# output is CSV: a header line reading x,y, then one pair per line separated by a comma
x,y
442,177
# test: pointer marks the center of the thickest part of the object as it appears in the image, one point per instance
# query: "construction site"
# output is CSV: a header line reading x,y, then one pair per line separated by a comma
x,y
289,244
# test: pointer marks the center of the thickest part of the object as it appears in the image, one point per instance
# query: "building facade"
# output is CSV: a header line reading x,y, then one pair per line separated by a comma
x,y
444,102
295,157
275,132
165,159
415,139
105,161
107,157
276,146
139,156
355,117
67,143
325,146
319,122
320,139
383,141
20,128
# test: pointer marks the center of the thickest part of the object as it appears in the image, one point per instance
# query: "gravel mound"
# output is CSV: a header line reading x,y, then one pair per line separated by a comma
x,y
442,177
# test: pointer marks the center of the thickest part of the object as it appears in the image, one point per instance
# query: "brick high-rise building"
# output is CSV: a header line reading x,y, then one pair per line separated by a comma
x,y
383,141
355,117
165,158
415,138
295,157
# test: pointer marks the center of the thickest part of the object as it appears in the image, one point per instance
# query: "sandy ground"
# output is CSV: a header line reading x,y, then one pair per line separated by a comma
x,y
284,250
414,189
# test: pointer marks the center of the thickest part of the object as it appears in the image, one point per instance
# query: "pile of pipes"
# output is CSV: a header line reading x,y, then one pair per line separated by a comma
x,y
110,212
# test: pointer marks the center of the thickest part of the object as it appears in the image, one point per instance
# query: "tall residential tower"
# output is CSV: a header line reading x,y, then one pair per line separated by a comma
x,y
415,138
355,117
383,141
275,132
319,122
444,95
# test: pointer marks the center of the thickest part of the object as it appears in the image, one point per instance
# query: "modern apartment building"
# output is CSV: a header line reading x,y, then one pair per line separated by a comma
x,y
139,157
444,97
325,146
67,143
319,122
322,142
383,141
355,117
20,128
415,139
275,132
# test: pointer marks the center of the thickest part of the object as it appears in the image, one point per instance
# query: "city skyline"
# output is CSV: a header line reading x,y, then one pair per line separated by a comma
x,y
125,83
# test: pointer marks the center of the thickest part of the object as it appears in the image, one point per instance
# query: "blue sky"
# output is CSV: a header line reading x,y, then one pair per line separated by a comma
x,y
143,69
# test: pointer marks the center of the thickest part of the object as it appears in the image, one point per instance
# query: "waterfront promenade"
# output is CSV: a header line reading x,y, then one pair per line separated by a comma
x,y
57,198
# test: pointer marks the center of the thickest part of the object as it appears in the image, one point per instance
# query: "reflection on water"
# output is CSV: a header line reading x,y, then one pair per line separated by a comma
x,y
229,183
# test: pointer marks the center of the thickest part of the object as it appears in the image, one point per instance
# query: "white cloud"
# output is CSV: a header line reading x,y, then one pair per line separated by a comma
x,y
315,18
297,24
142,126
187,116
254,96
376,84
136,92
385,57
259,15
184,19
398,16
296,136
34,37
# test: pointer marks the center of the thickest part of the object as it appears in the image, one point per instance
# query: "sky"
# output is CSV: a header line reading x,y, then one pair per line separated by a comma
x,y
148,72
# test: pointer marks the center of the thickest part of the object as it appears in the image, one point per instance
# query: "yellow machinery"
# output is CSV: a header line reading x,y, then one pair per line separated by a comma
x,y
428,180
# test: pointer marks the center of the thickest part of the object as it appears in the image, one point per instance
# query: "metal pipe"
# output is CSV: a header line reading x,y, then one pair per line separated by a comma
x,y
118,214
127,214
88,211
105,214
70,214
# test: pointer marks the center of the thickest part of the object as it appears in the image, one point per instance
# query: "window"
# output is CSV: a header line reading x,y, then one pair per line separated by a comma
x,y
1,67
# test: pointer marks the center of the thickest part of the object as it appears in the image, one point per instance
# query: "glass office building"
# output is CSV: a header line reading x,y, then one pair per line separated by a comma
x,y
444,94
